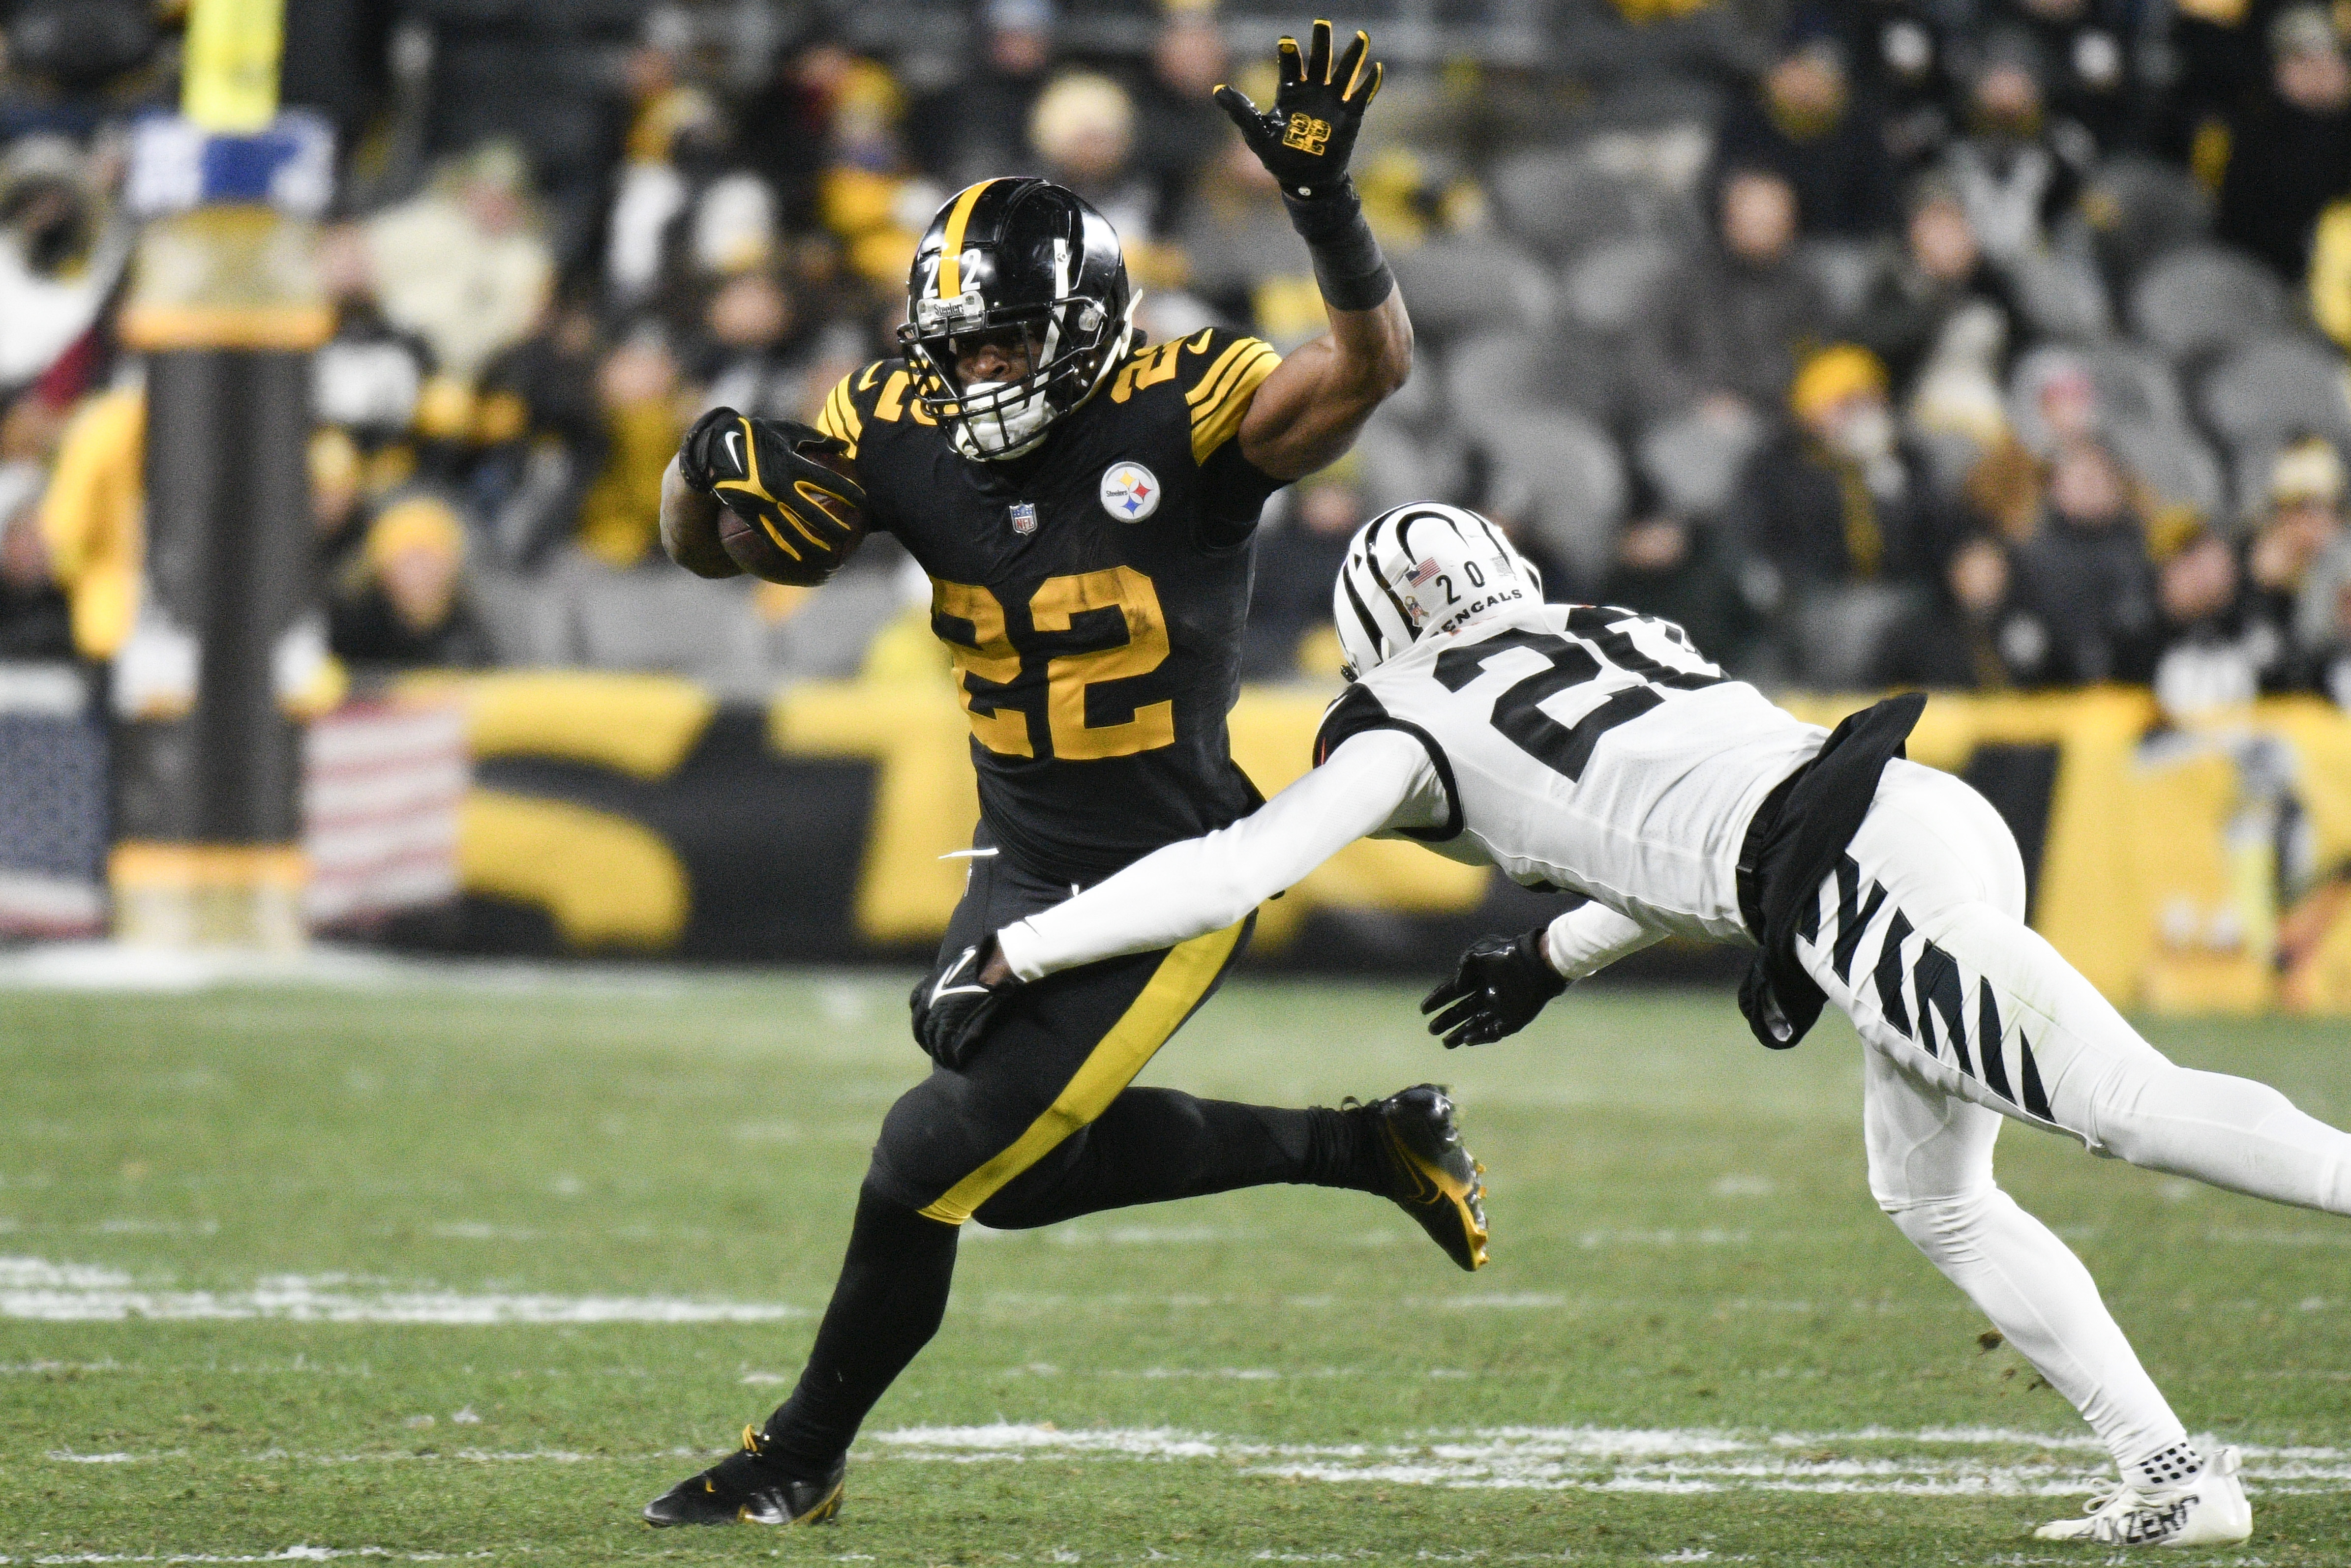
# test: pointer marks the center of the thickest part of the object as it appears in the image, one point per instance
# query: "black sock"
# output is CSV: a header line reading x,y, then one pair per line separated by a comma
x,y
1153,1145
892,1293
1346,1152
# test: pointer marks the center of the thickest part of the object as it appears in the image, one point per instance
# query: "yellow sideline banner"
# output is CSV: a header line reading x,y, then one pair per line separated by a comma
x,y
2203,867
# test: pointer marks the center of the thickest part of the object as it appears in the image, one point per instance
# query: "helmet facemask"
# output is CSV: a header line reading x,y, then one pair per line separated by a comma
x,y
1070,331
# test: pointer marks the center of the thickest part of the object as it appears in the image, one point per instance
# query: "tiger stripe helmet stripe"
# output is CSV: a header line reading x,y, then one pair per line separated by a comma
x,y
1381,603
951,245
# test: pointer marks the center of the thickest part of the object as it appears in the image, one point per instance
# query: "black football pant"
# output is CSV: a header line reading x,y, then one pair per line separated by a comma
x,y
1040,1125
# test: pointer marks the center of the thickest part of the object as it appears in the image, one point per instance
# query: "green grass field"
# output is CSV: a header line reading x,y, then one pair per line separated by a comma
x,y
470,1266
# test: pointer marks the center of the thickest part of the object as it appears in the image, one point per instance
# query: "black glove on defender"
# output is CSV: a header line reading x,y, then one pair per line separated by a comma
x,y
1503,982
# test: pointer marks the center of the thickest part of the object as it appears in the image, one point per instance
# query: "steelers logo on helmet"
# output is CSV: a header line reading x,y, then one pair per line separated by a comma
x,y
1130,492
1017,309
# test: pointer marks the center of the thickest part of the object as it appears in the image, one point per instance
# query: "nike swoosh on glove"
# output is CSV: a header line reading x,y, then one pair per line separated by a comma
x,y
954,1009
770,473
1499,986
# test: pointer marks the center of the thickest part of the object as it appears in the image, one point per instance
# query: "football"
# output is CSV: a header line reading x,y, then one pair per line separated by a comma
x,y
773,550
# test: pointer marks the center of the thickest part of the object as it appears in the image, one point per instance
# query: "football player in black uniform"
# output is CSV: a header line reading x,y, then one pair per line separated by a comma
x,y
1084,505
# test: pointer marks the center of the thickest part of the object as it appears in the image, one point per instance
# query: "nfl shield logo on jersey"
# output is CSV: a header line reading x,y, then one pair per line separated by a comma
x,y
1130,492
1024,517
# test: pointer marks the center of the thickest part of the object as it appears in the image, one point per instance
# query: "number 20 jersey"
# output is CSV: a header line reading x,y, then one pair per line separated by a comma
x,y
1093,594
1590,749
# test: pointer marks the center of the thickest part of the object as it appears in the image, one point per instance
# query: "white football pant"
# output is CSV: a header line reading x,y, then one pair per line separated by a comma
x,y
1971,1016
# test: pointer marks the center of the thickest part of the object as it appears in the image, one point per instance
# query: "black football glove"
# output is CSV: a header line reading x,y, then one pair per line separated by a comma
x,y
763,472
1305,141
1502,984
952,1010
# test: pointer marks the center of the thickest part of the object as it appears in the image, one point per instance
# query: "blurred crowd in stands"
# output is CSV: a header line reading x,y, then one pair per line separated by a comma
x,y
1969,343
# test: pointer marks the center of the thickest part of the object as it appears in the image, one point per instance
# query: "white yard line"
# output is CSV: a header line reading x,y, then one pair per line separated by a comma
x,y
82,1292
1920,1462
296,1554
1934,1461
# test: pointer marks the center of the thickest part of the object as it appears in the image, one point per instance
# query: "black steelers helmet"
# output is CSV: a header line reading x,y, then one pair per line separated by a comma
x,y
1030,263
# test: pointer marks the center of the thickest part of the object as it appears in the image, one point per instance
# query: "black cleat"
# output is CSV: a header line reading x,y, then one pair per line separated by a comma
x,y
749,1487
1431,1176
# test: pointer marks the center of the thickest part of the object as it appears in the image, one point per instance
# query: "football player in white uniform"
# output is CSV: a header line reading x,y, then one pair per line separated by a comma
x,y
1594,751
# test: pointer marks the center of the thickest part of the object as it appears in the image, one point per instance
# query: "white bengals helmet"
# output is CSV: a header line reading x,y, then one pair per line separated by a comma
x,y
1422,568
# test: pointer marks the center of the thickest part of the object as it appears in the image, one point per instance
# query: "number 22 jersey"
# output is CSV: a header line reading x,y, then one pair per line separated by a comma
x,y
1093,594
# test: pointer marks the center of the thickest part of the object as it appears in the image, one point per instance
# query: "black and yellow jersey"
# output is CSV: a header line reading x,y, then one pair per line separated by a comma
x,y
1093,593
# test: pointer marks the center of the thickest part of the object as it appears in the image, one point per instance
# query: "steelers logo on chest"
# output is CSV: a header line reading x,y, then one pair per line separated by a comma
x,y
1130,492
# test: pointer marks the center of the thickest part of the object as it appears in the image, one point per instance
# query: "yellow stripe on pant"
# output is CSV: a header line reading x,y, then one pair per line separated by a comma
x,y
1174,988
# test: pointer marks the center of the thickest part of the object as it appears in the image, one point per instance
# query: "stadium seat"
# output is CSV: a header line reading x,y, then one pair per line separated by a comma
x,y
1401,458
1491,369
2142,209
1693,462
1838,630
2274,386
1457,284
1845,271
2174,462
1558,201
2133,387
1608,286
2200,300
1560,475
2062,296
2268,392
654,617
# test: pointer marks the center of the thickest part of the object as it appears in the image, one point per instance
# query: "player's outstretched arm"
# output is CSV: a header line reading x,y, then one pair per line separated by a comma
x,y
1374,779
1202,885
1307,413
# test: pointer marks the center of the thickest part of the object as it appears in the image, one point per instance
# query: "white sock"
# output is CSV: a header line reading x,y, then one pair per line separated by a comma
x,y
2165,1467
2038,1294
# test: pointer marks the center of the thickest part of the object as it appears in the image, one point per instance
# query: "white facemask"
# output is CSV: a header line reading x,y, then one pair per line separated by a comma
x,y
1005,429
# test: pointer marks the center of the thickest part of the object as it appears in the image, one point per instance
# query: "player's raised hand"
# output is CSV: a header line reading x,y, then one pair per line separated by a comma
x,y
1499,986
1304,141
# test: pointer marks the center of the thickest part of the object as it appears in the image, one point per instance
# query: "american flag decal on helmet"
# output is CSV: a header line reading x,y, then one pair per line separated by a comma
x,y
1422,575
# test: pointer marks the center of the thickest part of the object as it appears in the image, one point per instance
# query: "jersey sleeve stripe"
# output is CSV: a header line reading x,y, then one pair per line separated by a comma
x,y
1213,424
1217,367
1235,363
840,420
